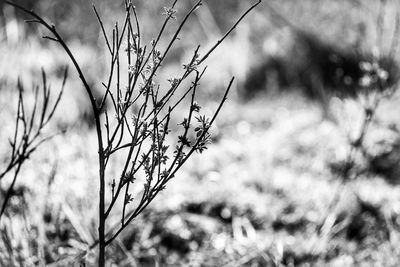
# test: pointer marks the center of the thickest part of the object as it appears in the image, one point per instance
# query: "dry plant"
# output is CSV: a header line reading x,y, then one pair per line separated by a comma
x,y
144,138
28,131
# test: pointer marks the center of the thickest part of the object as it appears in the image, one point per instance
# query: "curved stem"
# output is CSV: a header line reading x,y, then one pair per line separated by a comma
x,y
96,115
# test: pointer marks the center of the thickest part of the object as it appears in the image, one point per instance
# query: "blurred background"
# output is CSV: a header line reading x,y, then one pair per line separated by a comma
x,y
270,190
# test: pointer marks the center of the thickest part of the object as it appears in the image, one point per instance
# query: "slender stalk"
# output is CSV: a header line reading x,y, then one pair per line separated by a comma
x,y
96,115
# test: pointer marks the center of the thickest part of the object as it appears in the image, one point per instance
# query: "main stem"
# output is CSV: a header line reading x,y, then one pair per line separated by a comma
x,y
102,217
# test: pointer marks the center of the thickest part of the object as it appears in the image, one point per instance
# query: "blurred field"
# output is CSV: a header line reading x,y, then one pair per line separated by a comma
x,y
263,192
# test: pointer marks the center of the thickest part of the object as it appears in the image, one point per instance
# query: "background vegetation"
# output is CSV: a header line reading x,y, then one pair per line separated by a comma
x,y
260,195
